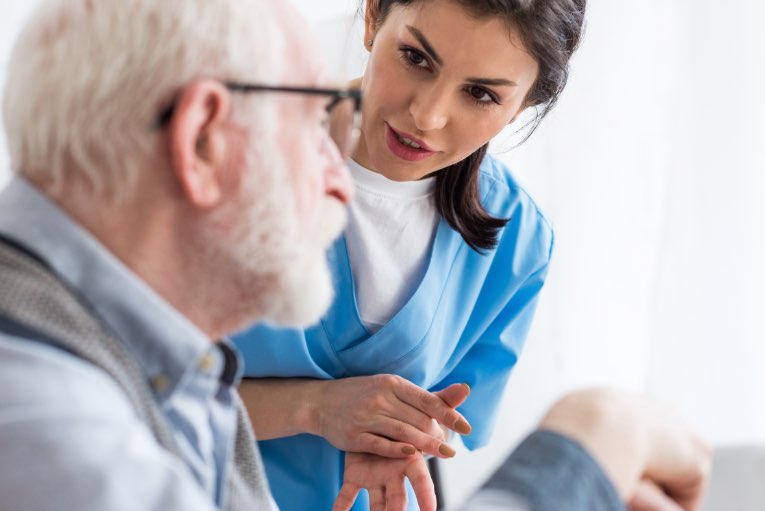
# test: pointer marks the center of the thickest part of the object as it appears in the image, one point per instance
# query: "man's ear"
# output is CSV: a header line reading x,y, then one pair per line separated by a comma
x,y
197,140
371,18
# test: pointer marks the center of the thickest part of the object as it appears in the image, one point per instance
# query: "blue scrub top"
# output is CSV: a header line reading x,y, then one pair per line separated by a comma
x,y
465,323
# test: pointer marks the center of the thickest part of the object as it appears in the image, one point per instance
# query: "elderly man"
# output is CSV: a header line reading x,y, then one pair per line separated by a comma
x,y
163,198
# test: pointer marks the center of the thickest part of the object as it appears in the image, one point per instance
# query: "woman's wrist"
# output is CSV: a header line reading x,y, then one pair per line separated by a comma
x,y
311,405
282,407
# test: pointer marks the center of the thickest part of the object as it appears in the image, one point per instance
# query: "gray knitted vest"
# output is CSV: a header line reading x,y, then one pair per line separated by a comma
x,y
32,297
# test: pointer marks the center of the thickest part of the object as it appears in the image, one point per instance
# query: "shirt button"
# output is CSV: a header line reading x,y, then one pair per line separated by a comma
x,y
160,383
206,363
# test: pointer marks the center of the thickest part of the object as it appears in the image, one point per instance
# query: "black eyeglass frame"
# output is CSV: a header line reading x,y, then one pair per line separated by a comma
x,y
337,96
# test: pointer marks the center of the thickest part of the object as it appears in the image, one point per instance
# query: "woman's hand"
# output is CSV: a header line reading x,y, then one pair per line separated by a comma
x,y
388,416
382,414
384,479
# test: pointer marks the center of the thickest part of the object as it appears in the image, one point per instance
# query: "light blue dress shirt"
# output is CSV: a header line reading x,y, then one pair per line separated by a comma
x,y
69,438
465,323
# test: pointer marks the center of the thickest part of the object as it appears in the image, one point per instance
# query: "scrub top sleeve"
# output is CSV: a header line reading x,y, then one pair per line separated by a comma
x,y
487,365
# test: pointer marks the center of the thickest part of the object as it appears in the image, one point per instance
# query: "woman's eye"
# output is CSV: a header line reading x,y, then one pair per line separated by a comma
x,y
481,95
415,58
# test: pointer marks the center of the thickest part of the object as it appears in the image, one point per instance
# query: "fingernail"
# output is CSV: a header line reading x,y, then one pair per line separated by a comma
x,y
462,427
408,450
468,387
446,450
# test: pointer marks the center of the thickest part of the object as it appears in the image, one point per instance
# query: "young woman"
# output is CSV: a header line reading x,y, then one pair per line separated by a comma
x,y
438,273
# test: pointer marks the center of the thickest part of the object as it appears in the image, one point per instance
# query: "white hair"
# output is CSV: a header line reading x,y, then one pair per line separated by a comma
x,y
88,78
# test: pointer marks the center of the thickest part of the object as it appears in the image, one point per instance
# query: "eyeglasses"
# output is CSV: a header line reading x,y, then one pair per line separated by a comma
x,y
343,122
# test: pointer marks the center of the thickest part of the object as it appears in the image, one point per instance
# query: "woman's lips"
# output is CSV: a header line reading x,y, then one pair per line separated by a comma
x,y
403,151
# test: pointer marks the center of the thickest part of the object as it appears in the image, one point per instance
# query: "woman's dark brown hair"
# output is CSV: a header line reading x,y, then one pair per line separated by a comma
x,y
550,31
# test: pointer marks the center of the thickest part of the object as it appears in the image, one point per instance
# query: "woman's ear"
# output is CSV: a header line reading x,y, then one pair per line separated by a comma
x,y
371,19
198,142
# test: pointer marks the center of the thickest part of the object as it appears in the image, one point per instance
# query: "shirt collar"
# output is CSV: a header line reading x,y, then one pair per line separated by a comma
x,y
164,342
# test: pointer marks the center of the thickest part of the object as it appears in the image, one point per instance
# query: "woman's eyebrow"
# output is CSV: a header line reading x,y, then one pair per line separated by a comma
x,y
425,44
492,81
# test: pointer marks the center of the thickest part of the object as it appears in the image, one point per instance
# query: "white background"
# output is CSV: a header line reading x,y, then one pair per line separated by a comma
x,y
652,169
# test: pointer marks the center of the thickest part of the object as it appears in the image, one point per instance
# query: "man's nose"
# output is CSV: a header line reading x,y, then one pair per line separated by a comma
x,y
430,109
337,177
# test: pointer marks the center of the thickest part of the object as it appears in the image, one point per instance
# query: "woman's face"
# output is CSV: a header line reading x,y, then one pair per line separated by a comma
x,y
439,85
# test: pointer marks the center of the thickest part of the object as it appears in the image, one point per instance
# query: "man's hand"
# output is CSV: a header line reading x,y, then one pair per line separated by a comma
x,y
653,459
384,479
650,497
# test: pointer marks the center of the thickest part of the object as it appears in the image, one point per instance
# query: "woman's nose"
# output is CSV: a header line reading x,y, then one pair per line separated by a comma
x,y
430,109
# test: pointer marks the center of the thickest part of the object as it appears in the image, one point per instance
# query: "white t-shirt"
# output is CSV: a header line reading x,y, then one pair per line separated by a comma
x,y
390,232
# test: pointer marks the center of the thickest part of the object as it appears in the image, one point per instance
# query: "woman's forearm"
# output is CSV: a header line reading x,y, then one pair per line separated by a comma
x,y
281,407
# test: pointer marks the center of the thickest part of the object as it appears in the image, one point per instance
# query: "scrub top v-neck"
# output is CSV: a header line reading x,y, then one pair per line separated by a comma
x,y
388,239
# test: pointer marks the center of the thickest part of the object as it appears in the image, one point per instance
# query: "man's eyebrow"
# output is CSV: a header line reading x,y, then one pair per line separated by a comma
x,y
492,81
425,44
